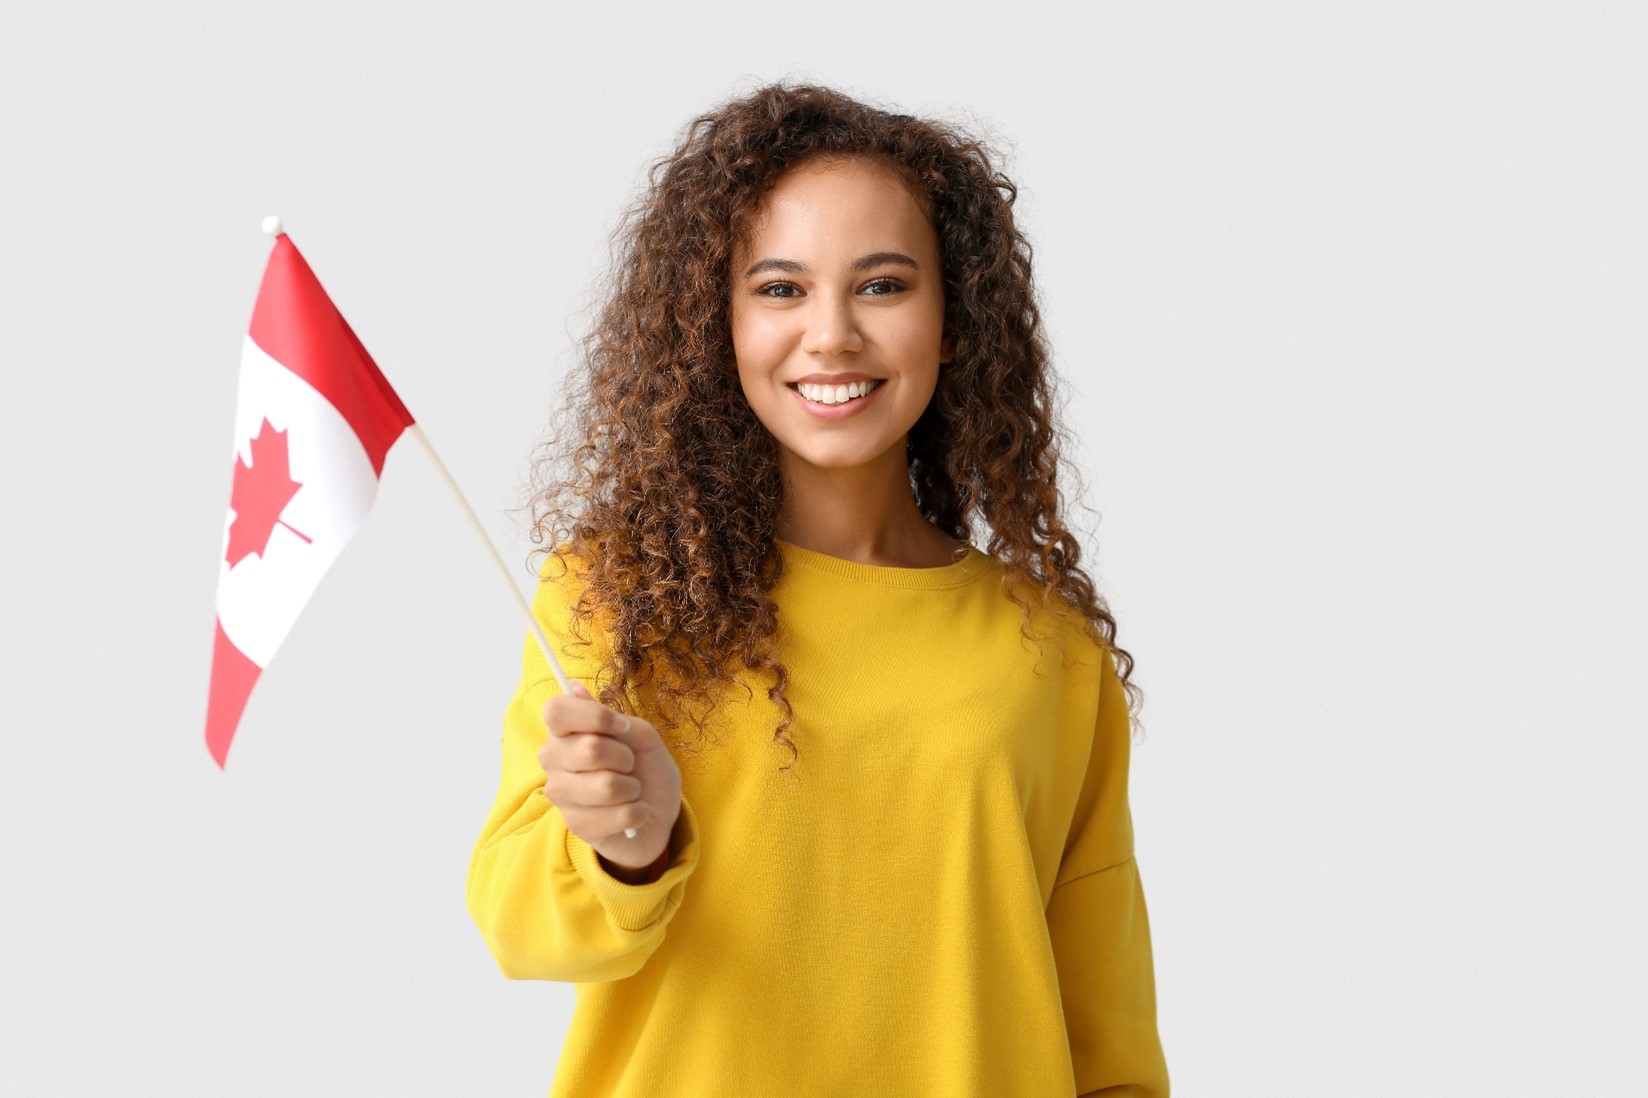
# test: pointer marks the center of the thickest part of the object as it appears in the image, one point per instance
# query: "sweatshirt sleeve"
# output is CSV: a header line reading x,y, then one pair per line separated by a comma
x,y
1099,927
546,908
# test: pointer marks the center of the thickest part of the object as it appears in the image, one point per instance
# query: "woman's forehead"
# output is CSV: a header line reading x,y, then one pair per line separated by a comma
x,y
826,205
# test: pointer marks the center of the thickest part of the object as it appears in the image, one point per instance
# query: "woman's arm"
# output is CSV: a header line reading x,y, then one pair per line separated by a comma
x,y
544,900
1100,928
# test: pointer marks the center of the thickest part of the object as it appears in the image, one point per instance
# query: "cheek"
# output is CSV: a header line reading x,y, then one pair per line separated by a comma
x,y
755,361
913,341
750,338
759,345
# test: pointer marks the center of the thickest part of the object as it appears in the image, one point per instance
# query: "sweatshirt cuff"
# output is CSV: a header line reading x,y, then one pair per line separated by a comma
x,y
638,906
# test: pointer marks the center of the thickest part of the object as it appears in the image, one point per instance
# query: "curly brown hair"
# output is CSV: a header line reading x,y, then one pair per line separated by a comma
x,y
670,500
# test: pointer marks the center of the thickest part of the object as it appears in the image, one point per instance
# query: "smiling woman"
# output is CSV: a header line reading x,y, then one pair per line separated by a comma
x,y
840,355
817,377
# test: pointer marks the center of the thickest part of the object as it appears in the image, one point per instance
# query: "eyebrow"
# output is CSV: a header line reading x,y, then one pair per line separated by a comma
x,y
863,262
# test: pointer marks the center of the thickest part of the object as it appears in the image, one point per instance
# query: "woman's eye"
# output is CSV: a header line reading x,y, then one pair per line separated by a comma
x,y
779,289
881,287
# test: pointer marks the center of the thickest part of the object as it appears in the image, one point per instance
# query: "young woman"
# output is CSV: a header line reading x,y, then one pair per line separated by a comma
x,y
876,777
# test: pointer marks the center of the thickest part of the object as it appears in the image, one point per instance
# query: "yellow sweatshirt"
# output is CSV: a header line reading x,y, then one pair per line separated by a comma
x,y
944,903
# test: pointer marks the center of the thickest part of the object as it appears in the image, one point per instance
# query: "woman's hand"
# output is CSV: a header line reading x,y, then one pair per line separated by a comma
x,y
606,772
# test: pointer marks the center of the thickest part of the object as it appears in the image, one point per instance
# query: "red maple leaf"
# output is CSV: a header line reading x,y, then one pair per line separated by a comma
x,y
261,492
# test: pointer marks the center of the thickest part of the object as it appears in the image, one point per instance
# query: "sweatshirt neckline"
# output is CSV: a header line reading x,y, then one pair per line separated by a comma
x,y
955,574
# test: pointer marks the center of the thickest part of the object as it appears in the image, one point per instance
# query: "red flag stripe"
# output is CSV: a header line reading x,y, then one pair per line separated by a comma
x,y
232,678
296,324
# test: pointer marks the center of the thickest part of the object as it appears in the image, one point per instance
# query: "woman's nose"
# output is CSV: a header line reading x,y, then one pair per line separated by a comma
x,y
832,329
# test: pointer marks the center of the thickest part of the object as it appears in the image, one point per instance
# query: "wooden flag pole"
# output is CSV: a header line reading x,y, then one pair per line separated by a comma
x,y
492,551
503,570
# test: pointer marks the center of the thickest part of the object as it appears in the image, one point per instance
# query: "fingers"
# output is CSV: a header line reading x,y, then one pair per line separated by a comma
x,y
606,824
592,789
586,768
565,714
581,751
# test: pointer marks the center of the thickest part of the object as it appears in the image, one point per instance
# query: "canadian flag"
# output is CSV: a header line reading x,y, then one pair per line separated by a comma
x,y
313,422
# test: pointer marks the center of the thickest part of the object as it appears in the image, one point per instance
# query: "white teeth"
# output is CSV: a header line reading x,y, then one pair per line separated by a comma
x,y
835,394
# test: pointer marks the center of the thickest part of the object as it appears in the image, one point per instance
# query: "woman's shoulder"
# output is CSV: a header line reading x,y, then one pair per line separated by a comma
x,y
560,570
1048,614
578,626
563,580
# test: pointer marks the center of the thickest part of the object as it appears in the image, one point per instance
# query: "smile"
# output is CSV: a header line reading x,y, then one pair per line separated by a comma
x,y
835,394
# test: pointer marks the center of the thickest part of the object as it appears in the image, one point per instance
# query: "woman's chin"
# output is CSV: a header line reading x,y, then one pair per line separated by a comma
x,y
818,456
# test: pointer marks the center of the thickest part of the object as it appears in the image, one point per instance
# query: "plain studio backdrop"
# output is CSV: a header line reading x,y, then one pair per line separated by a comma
x,y
1348,300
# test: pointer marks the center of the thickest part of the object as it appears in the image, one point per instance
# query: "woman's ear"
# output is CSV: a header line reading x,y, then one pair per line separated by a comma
x,y
946,351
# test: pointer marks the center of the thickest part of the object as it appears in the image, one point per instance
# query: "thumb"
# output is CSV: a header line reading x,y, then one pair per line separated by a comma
x,y
579,690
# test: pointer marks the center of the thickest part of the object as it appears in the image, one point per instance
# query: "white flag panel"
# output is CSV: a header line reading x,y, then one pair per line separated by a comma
x,y
260,597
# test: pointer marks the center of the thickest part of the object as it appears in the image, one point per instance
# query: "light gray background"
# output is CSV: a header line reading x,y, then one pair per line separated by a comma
x,y
1350,299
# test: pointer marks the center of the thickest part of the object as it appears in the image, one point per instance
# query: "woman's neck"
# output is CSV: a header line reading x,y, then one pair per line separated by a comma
x,y
866,514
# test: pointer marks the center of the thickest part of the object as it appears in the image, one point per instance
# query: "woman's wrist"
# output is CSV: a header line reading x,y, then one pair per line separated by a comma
x,y
645,874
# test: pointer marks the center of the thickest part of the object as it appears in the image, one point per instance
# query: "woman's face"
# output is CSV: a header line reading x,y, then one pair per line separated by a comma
x,y
838,314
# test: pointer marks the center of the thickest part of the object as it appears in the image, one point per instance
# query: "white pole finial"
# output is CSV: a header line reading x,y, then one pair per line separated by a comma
x,y
271,225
